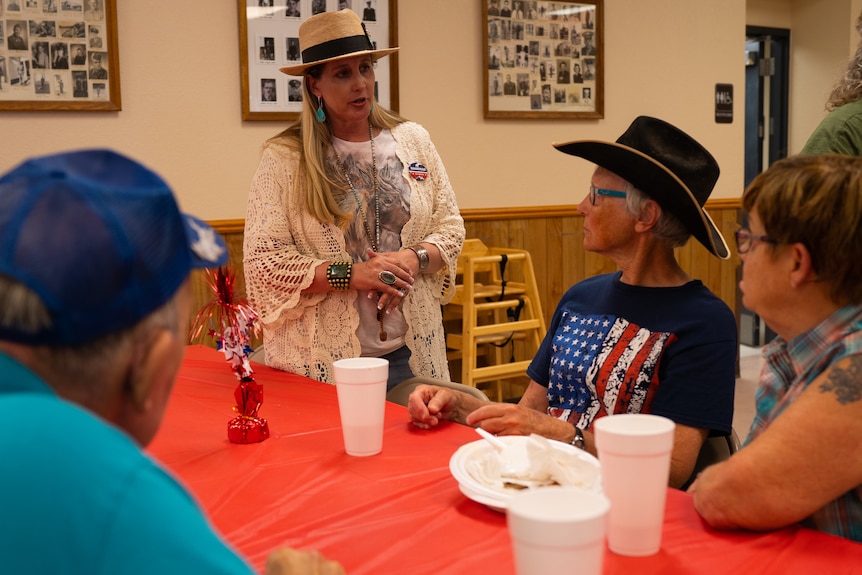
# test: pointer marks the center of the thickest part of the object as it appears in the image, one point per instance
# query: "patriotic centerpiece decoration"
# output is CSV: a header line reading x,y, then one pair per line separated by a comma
x,y
232,323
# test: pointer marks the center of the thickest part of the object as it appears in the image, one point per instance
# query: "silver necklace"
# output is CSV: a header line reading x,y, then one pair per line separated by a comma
x,y
374,239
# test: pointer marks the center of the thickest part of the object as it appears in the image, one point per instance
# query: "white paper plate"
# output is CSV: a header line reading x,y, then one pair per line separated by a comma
x,y
497,504
487,495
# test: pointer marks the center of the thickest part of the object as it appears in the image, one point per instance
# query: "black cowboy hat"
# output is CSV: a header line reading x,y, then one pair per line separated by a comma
x,y
666,164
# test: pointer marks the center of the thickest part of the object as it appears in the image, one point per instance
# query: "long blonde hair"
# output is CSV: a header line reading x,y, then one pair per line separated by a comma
x,y
320,198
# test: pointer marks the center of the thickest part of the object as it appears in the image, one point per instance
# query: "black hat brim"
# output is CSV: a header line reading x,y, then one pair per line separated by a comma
x,y
655,180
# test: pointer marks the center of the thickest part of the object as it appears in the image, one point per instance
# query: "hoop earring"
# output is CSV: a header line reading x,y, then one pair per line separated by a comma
x,y
320,115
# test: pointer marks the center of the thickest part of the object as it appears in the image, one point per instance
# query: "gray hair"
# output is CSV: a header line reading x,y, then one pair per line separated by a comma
x,y
667,228
85,363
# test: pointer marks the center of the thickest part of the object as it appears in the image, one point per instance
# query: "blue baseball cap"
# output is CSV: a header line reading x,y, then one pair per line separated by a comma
x,y
101,240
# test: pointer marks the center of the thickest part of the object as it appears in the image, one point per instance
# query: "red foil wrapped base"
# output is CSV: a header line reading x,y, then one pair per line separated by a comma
x,y
243,429
247,427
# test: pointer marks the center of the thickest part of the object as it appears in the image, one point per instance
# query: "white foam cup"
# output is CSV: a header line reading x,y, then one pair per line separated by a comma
x,y
634,452
557,530
360,383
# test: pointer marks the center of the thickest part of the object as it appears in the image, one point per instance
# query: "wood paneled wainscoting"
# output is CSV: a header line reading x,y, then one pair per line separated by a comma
x,y
554,237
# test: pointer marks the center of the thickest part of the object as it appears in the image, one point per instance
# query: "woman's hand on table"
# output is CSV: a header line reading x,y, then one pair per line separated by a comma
x,y
288,561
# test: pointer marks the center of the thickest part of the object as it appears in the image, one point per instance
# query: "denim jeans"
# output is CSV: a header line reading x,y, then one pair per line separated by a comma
x,y
399,368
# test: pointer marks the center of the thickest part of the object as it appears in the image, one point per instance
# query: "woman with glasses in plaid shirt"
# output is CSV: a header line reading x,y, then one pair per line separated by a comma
x,y
802,461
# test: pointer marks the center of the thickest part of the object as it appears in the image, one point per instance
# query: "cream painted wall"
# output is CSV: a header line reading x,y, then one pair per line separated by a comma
x,y
768,13
655,65
181,103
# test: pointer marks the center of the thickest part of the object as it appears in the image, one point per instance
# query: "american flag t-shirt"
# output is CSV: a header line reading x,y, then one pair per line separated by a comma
x,y
602,364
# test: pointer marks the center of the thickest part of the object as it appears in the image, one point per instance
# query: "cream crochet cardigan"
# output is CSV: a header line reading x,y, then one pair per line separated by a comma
x,y
283,244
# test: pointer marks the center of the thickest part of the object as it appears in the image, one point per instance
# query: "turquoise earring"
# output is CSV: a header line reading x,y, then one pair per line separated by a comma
x,y
320,115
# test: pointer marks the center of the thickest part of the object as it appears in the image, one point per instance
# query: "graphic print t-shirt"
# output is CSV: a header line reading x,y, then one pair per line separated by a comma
x,y
607,357
617,348
394,213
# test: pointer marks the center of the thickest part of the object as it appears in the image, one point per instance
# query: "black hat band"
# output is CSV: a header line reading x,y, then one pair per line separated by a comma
x,y
336,48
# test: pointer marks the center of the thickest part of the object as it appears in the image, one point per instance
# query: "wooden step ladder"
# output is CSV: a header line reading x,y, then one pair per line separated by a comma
x,y
497,302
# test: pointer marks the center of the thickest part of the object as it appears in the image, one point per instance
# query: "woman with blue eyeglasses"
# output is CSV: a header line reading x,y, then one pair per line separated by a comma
x,y
647,338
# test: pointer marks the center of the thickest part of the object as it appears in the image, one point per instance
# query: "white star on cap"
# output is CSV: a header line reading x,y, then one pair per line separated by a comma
x,y
206,246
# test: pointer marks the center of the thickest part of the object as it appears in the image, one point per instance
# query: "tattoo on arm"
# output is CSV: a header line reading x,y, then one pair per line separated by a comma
x,y
846,382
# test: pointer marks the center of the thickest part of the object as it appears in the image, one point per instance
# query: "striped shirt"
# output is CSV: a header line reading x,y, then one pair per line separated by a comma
x,y
789,369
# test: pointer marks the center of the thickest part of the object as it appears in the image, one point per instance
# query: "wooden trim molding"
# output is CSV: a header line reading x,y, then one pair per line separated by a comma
x,y
489,214
532,212
554,237
228,226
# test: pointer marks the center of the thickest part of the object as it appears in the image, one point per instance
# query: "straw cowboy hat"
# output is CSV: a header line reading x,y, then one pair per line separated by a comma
x,y
331,36
666,164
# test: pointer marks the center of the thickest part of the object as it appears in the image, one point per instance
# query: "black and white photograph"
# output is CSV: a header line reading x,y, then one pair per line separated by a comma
x,y
292,49
543,59
93,10
266,49
80,85
369,13
268,92
41,84
293,9
269,41
79,54
294,90
59,55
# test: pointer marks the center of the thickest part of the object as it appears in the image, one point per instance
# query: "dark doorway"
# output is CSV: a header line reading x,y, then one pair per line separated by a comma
x,y
767,70
766,87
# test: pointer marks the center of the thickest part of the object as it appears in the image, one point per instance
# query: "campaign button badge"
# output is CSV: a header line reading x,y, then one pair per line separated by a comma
x,y
418,172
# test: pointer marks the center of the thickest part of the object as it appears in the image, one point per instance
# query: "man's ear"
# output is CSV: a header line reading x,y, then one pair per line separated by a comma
x,y
153,366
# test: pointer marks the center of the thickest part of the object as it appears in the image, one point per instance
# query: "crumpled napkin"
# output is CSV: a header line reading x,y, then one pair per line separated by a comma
x,y
532,463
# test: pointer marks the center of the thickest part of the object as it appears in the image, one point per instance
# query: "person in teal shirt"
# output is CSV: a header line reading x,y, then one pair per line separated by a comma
x,y
94,295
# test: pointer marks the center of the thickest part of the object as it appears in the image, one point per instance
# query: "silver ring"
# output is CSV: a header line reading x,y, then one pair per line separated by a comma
x,y
387,277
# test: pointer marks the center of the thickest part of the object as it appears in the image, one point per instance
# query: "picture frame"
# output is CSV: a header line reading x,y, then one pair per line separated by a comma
x,y
269,40
543,59
59,55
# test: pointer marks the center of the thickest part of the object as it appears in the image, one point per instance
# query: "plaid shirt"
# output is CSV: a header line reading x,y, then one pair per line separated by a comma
x,y
789,369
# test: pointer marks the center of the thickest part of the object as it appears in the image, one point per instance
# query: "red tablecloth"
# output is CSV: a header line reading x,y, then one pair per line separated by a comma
x,y
401,511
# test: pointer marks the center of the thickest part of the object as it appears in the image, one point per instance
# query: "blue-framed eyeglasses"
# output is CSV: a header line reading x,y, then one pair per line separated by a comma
x,y
745,240
594,191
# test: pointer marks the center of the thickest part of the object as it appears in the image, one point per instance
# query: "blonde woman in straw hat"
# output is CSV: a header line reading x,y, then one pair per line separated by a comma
x,y
352,230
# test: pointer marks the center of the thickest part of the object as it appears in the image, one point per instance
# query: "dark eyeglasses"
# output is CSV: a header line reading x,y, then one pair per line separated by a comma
x,y
745,240
594,191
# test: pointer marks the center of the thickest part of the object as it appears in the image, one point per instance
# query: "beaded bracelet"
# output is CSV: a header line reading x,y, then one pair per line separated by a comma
x,y
338,275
